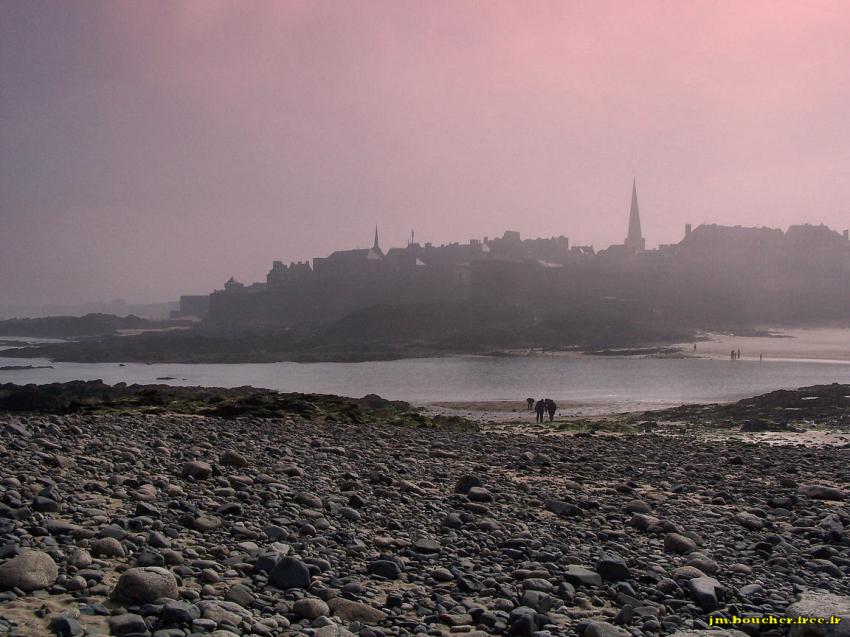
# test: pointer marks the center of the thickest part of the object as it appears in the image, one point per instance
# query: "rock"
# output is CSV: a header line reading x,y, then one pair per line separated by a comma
x,y
196,469
384,568
178,612
638,506
714,632
145,584
604,629
825,606
65,626
127,624
426,545
205,523
479,494
564,509
465,483
106,547
821,492
309,501
223,612
241,595
678,543
332,630
580,576
749,521
310,608
232,458
29,571
612,567
705,591
350,611
290,572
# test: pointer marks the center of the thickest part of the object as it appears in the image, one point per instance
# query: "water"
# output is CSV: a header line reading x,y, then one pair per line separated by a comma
x,y
615,382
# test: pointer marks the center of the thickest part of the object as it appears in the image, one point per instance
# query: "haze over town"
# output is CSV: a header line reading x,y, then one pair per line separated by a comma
x,y
151,150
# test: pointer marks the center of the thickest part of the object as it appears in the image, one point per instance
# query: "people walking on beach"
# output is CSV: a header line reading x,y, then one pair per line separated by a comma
x,y
732,355
530,402
540,409
551,407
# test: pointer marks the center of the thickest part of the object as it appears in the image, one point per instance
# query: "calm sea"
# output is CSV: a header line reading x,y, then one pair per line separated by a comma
x,y
609,381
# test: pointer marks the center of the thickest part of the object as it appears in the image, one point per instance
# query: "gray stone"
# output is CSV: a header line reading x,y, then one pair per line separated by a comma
x,y
822,492
678,543
350,611
290,572
143,585
196,469
580,576
310,608
29,571
705,591
604,629
823,605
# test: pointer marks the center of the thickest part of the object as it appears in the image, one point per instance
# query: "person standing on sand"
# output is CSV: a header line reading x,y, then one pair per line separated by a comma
x,y
540,408
551,407
739,354
530,402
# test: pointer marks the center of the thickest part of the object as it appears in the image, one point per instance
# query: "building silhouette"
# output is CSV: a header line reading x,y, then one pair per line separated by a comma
x,y
714,272
634,240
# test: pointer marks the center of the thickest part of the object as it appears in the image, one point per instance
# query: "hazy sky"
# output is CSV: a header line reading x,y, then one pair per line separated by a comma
x,y
155,148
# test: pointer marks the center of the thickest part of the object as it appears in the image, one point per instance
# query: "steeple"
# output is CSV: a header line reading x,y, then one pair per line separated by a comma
x,y
375,246
634,240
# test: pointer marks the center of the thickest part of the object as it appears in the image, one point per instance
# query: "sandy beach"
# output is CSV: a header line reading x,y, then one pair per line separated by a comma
x,y
800,344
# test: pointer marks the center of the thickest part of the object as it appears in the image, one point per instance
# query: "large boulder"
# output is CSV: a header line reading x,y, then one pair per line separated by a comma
x,y
29,571
825,606
145,584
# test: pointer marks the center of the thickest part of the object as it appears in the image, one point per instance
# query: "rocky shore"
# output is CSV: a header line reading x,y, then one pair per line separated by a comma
x,y
174,524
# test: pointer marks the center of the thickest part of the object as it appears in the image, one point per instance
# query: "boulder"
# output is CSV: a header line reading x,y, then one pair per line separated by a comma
x,y
29,571
825,606
145,584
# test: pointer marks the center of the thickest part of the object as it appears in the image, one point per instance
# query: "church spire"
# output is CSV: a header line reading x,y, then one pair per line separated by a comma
x,y
375,246
634,240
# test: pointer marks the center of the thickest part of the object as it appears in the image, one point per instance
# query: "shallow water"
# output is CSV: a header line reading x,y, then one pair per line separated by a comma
x,y
618,383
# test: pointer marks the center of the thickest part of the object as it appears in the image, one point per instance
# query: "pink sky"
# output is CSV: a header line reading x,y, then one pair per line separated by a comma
x,y
153,149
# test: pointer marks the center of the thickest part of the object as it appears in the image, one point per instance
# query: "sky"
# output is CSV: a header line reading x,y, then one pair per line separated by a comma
x,y
152,149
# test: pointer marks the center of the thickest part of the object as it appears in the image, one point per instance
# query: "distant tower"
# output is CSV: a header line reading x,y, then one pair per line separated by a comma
x,y
375,245
635,241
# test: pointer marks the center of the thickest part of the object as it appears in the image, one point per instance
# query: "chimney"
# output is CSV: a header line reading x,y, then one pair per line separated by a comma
x,y
687,229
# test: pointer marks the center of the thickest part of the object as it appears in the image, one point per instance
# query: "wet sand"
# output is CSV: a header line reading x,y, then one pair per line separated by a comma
x,y
797,344
507,411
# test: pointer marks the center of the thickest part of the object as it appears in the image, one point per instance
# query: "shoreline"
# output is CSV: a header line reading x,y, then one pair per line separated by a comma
x,y
808,344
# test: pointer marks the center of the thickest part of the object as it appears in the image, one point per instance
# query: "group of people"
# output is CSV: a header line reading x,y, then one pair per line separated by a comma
x,y
542,407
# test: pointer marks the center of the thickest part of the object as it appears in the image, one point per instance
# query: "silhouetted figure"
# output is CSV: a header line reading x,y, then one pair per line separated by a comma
x,y
540,408
530,402
760,358
695,347
732,355
551,407
739,354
